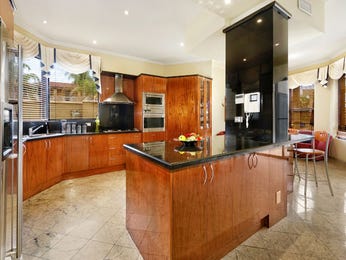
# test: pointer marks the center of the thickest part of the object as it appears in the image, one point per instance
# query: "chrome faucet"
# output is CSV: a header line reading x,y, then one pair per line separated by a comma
x,y
33,129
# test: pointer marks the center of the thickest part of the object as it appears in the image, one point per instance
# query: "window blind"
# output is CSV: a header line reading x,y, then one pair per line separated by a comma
x,y
35,94
72,96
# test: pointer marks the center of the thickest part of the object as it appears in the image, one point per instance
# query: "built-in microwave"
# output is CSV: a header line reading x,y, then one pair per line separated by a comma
x,y
6,129
153,112
153,103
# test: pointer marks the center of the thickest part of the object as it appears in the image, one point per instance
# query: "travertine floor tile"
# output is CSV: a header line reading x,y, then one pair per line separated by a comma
x,y
85,219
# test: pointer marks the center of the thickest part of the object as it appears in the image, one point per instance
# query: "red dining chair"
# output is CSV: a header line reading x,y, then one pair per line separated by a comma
x,y
318,151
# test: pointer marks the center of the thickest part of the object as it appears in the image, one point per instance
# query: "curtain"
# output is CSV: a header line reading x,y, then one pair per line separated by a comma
x,y
336,69
29,46
72,62
301,79
322,75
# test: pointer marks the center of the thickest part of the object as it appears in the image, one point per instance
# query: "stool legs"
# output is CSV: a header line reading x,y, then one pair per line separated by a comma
x,y
314,161
327,173
296,170
306,173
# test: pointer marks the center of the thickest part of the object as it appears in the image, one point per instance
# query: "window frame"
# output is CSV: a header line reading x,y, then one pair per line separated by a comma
x,y
342,105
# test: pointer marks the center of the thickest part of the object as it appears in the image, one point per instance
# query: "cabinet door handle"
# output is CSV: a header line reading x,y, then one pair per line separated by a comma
x,y
212,173
46,144
250,165
205,175
24,149
256,161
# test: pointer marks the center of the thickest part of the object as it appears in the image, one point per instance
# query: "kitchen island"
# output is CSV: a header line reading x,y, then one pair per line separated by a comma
x,y
201,204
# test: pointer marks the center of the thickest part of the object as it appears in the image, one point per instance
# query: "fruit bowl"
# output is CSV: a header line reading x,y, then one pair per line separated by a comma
x,y
189,142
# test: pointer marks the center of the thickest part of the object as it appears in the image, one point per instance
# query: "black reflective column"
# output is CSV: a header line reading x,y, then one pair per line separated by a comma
x,y
256,61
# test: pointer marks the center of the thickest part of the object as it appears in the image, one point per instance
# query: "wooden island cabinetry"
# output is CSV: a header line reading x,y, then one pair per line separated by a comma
x,y
202,205
188,106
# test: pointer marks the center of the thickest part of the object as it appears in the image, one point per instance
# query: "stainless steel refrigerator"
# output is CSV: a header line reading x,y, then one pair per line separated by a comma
x,y
12,148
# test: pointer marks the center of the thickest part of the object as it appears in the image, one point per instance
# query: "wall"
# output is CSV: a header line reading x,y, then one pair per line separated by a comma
x,y
326,116
203,68
321,108
218,97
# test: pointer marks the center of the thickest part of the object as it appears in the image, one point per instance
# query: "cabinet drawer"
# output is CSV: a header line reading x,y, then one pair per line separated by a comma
x,y
153,136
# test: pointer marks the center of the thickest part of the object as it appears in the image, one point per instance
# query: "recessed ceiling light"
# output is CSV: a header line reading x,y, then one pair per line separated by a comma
x,y
94,41
227,2
126,12
181,44
244,59
259,20
277,44
44,22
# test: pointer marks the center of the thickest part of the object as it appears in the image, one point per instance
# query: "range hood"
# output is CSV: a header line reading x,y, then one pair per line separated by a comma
x,y
118,97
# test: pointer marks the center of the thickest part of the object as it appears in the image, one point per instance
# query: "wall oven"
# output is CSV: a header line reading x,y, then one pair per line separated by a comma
x,y
153,112
6,129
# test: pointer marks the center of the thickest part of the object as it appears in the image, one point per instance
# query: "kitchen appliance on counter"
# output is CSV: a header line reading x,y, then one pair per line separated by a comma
x,y
153,112
11,146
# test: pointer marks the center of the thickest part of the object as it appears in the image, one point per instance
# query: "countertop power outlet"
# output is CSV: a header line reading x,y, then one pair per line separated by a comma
x,y
278,197
238,119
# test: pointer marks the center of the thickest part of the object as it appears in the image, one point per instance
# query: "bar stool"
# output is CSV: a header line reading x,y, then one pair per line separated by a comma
x,y
321,142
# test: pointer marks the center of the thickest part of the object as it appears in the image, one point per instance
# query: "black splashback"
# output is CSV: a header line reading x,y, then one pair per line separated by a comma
x,y
256,61
116,116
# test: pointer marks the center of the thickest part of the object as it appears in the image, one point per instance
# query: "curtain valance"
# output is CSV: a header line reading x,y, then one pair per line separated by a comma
x,y
301,79
334,71
29,46
72,62
337,69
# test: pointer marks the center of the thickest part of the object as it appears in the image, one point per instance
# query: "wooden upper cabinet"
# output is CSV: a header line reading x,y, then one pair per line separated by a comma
x,y
188,106
152,83
108,85
205,111
6,13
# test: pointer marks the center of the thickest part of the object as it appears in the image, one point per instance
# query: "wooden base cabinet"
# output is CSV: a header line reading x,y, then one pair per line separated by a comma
x,y
116,152
206,221
42,165
76,153
202,211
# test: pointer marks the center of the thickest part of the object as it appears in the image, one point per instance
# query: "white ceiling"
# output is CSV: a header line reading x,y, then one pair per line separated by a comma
x,y
155,29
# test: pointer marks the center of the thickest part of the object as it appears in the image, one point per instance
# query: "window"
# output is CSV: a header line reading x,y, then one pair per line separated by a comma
x,y
72,95
342,104
61,96
35,94
302,107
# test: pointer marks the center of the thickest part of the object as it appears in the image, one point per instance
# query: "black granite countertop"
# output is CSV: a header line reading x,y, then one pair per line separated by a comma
x,y
171,156
51,135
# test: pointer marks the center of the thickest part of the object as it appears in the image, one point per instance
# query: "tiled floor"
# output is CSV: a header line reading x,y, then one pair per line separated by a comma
x,y
85,219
